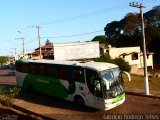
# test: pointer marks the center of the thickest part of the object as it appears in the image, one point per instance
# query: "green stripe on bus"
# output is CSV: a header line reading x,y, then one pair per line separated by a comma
x,y
118,98
48,85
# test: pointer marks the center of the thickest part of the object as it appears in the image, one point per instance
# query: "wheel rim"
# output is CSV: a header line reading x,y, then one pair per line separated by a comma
x,y
31,89
80,102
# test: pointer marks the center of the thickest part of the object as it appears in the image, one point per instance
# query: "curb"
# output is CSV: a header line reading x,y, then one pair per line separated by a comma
x,y
31,113
143,95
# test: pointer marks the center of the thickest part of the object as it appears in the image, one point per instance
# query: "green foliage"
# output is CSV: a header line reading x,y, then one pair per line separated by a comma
x,y
104,58
123,65
127,32
101,39
3,60
7,96
48,42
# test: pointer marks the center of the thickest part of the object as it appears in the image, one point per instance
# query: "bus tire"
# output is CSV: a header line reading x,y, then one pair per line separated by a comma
x,y
31,89
79,101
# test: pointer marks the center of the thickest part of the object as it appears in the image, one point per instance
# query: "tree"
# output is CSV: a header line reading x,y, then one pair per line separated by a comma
x,y
153,17
130,24
127,32
113,32
104,58
101,39
123,65
48,42
3,60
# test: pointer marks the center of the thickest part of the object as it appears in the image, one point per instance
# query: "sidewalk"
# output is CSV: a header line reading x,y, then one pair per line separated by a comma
x,y
141,92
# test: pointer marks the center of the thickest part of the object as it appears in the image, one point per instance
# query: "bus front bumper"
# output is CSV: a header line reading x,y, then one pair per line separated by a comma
x,y
111,103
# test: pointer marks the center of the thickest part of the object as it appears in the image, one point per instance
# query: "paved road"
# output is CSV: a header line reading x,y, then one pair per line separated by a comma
x,y
134,107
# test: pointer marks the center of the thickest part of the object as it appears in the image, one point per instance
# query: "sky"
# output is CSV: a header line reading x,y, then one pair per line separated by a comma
x,y
60,21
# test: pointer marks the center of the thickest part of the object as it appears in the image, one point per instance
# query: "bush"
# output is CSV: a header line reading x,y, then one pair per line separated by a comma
x,y
123,65
7,96
104,58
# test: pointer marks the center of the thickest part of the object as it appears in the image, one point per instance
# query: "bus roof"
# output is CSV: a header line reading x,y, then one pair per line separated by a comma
x,y
100,66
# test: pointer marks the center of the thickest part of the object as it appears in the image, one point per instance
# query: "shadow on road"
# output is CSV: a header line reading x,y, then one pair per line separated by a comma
x,y
7,81
50,101
7,86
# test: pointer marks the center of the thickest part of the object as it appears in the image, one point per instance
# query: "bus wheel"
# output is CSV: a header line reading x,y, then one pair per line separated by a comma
x,y
79,101
31,89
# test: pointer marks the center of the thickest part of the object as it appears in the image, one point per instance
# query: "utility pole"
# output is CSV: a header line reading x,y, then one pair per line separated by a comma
x,y
22,44
39,40
14,53
146,84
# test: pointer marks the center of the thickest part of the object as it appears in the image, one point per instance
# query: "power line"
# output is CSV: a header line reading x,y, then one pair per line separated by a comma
x,y
33,40
75,34
103,11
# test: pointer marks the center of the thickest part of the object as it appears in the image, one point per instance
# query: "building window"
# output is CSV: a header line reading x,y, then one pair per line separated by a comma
x,y
135,56
107,51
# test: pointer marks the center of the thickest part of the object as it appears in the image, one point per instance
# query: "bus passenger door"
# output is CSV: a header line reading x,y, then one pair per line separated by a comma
x,y
81,86
89,98
95,96
98,95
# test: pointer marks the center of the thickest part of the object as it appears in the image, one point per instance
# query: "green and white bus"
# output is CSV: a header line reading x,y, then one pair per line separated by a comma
x,y
96,84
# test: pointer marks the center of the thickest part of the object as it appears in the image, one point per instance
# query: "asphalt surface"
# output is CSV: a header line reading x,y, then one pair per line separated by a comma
x,y
60,109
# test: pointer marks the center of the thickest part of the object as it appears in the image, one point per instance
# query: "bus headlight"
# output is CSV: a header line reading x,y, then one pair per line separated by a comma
x,y
108,102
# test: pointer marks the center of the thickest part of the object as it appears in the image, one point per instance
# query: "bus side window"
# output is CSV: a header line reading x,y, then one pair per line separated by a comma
x,y
18,66
22,67
32,68
91,75
51,70
78,75
41,69
25,67
93,82
63,72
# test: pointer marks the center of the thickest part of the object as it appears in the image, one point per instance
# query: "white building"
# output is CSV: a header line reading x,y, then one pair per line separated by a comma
x,y
76,50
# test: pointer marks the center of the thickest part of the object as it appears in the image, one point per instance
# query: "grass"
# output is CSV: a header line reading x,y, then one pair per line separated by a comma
x,y
138,82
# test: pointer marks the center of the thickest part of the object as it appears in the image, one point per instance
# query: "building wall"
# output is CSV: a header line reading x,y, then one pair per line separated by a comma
x,y
114,52
149,60
77,50
126,53
136,70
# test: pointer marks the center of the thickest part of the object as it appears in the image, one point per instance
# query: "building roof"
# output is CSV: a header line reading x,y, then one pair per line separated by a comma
x,y
47,49
46,46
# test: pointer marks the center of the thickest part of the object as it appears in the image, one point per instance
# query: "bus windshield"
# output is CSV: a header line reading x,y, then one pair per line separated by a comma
x,y
114,83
